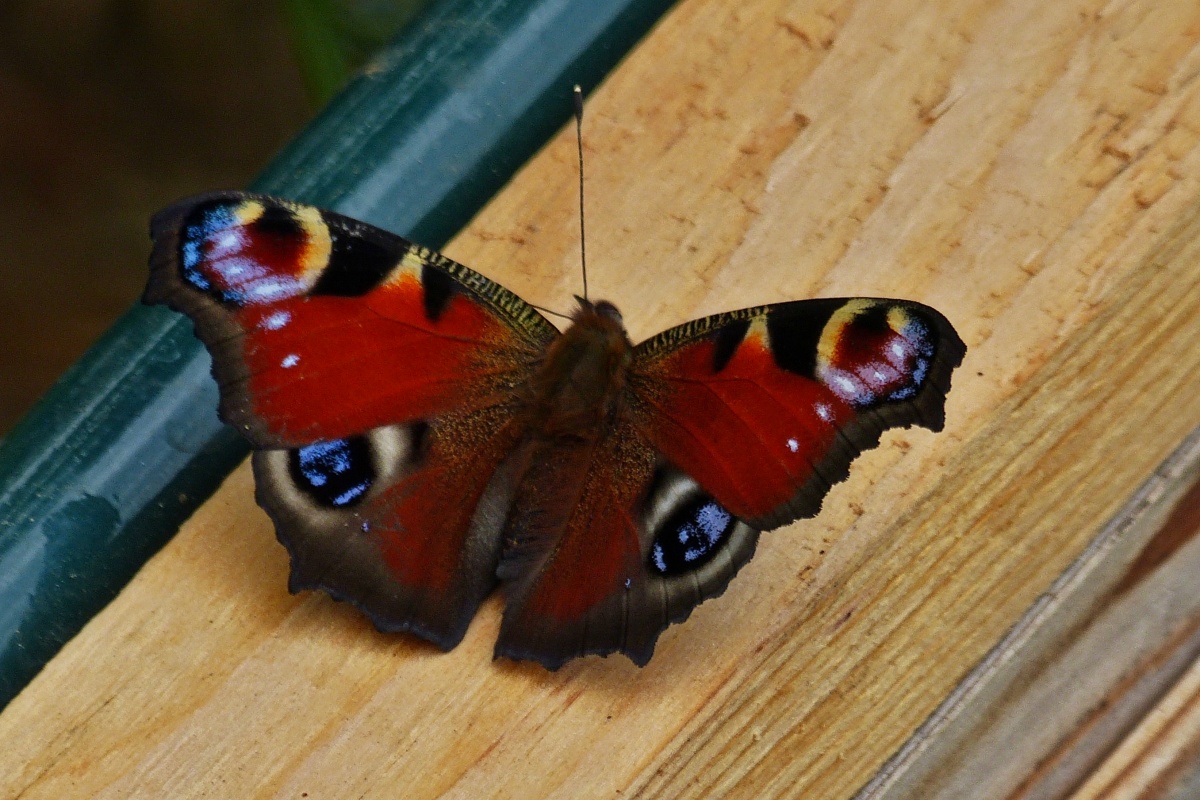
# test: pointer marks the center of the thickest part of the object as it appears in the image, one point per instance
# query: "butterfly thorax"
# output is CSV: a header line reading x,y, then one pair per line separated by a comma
x,y
581,381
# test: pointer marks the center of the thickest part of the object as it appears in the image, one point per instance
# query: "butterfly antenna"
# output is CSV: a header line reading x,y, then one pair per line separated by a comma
x,y
578,95
550,311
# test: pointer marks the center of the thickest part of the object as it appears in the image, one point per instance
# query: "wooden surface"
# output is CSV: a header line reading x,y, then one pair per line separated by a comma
x,y
1030,168
1103,663
1160,757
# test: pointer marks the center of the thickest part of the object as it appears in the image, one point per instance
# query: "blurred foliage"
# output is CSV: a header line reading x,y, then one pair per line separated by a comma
x,y
332,39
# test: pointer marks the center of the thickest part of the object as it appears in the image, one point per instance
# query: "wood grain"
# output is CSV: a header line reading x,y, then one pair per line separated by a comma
x,y
1159,758
1032,169
1098,652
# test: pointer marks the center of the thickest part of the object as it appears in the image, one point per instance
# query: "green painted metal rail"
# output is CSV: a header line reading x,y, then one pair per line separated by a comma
x,y
127,444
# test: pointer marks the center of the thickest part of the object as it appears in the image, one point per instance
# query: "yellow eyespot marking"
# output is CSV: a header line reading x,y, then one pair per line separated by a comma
x,y
898,319
410,265
248,212
318,244
836,328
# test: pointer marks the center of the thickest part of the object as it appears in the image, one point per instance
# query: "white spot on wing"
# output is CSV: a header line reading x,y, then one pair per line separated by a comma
x,y
277,320
393,450
225,242
793,445
274,287
848,386
290,361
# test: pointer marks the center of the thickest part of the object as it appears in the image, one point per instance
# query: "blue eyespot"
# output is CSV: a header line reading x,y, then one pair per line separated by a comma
x,y
200,225
334,474
691,537
918,336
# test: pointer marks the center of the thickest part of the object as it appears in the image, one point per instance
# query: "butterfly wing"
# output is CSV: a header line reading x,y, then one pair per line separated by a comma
x,y
322,327
735,423
766,408
377,381
589,574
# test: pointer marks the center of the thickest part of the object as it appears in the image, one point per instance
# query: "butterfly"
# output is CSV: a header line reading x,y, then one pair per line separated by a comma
x,y
422,435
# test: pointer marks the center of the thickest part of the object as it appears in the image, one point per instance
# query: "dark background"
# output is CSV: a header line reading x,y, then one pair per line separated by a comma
x,y
110,109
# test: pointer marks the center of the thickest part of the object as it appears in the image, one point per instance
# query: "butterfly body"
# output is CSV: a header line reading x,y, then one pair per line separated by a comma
x,y
423,436
581,382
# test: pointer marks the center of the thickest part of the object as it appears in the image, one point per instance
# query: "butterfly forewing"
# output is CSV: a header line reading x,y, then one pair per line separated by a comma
x,y
322,327
766,407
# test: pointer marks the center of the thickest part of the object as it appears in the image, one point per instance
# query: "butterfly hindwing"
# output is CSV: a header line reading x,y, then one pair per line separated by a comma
x,y
378,383
404,522
641,546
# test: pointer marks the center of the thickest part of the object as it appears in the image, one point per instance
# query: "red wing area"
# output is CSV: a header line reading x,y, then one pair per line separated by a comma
x,y
404,522
749,435
328,367
571,545
765,408
321,327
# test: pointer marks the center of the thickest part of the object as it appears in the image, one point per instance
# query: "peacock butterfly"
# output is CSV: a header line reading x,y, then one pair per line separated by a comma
x,y
421,434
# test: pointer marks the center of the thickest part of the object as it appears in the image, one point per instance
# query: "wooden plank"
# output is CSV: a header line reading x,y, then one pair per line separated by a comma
x,y
1160,759
1085,664
1031,168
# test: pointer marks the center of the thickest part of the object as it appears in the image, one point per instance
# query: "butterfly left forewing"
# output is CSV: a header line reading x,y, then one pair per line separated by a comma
x,y
323,327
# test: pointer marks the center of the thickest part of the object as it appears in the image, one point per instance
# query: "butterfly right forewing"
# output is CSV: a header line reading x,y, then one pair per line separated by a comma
x,y
766,407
